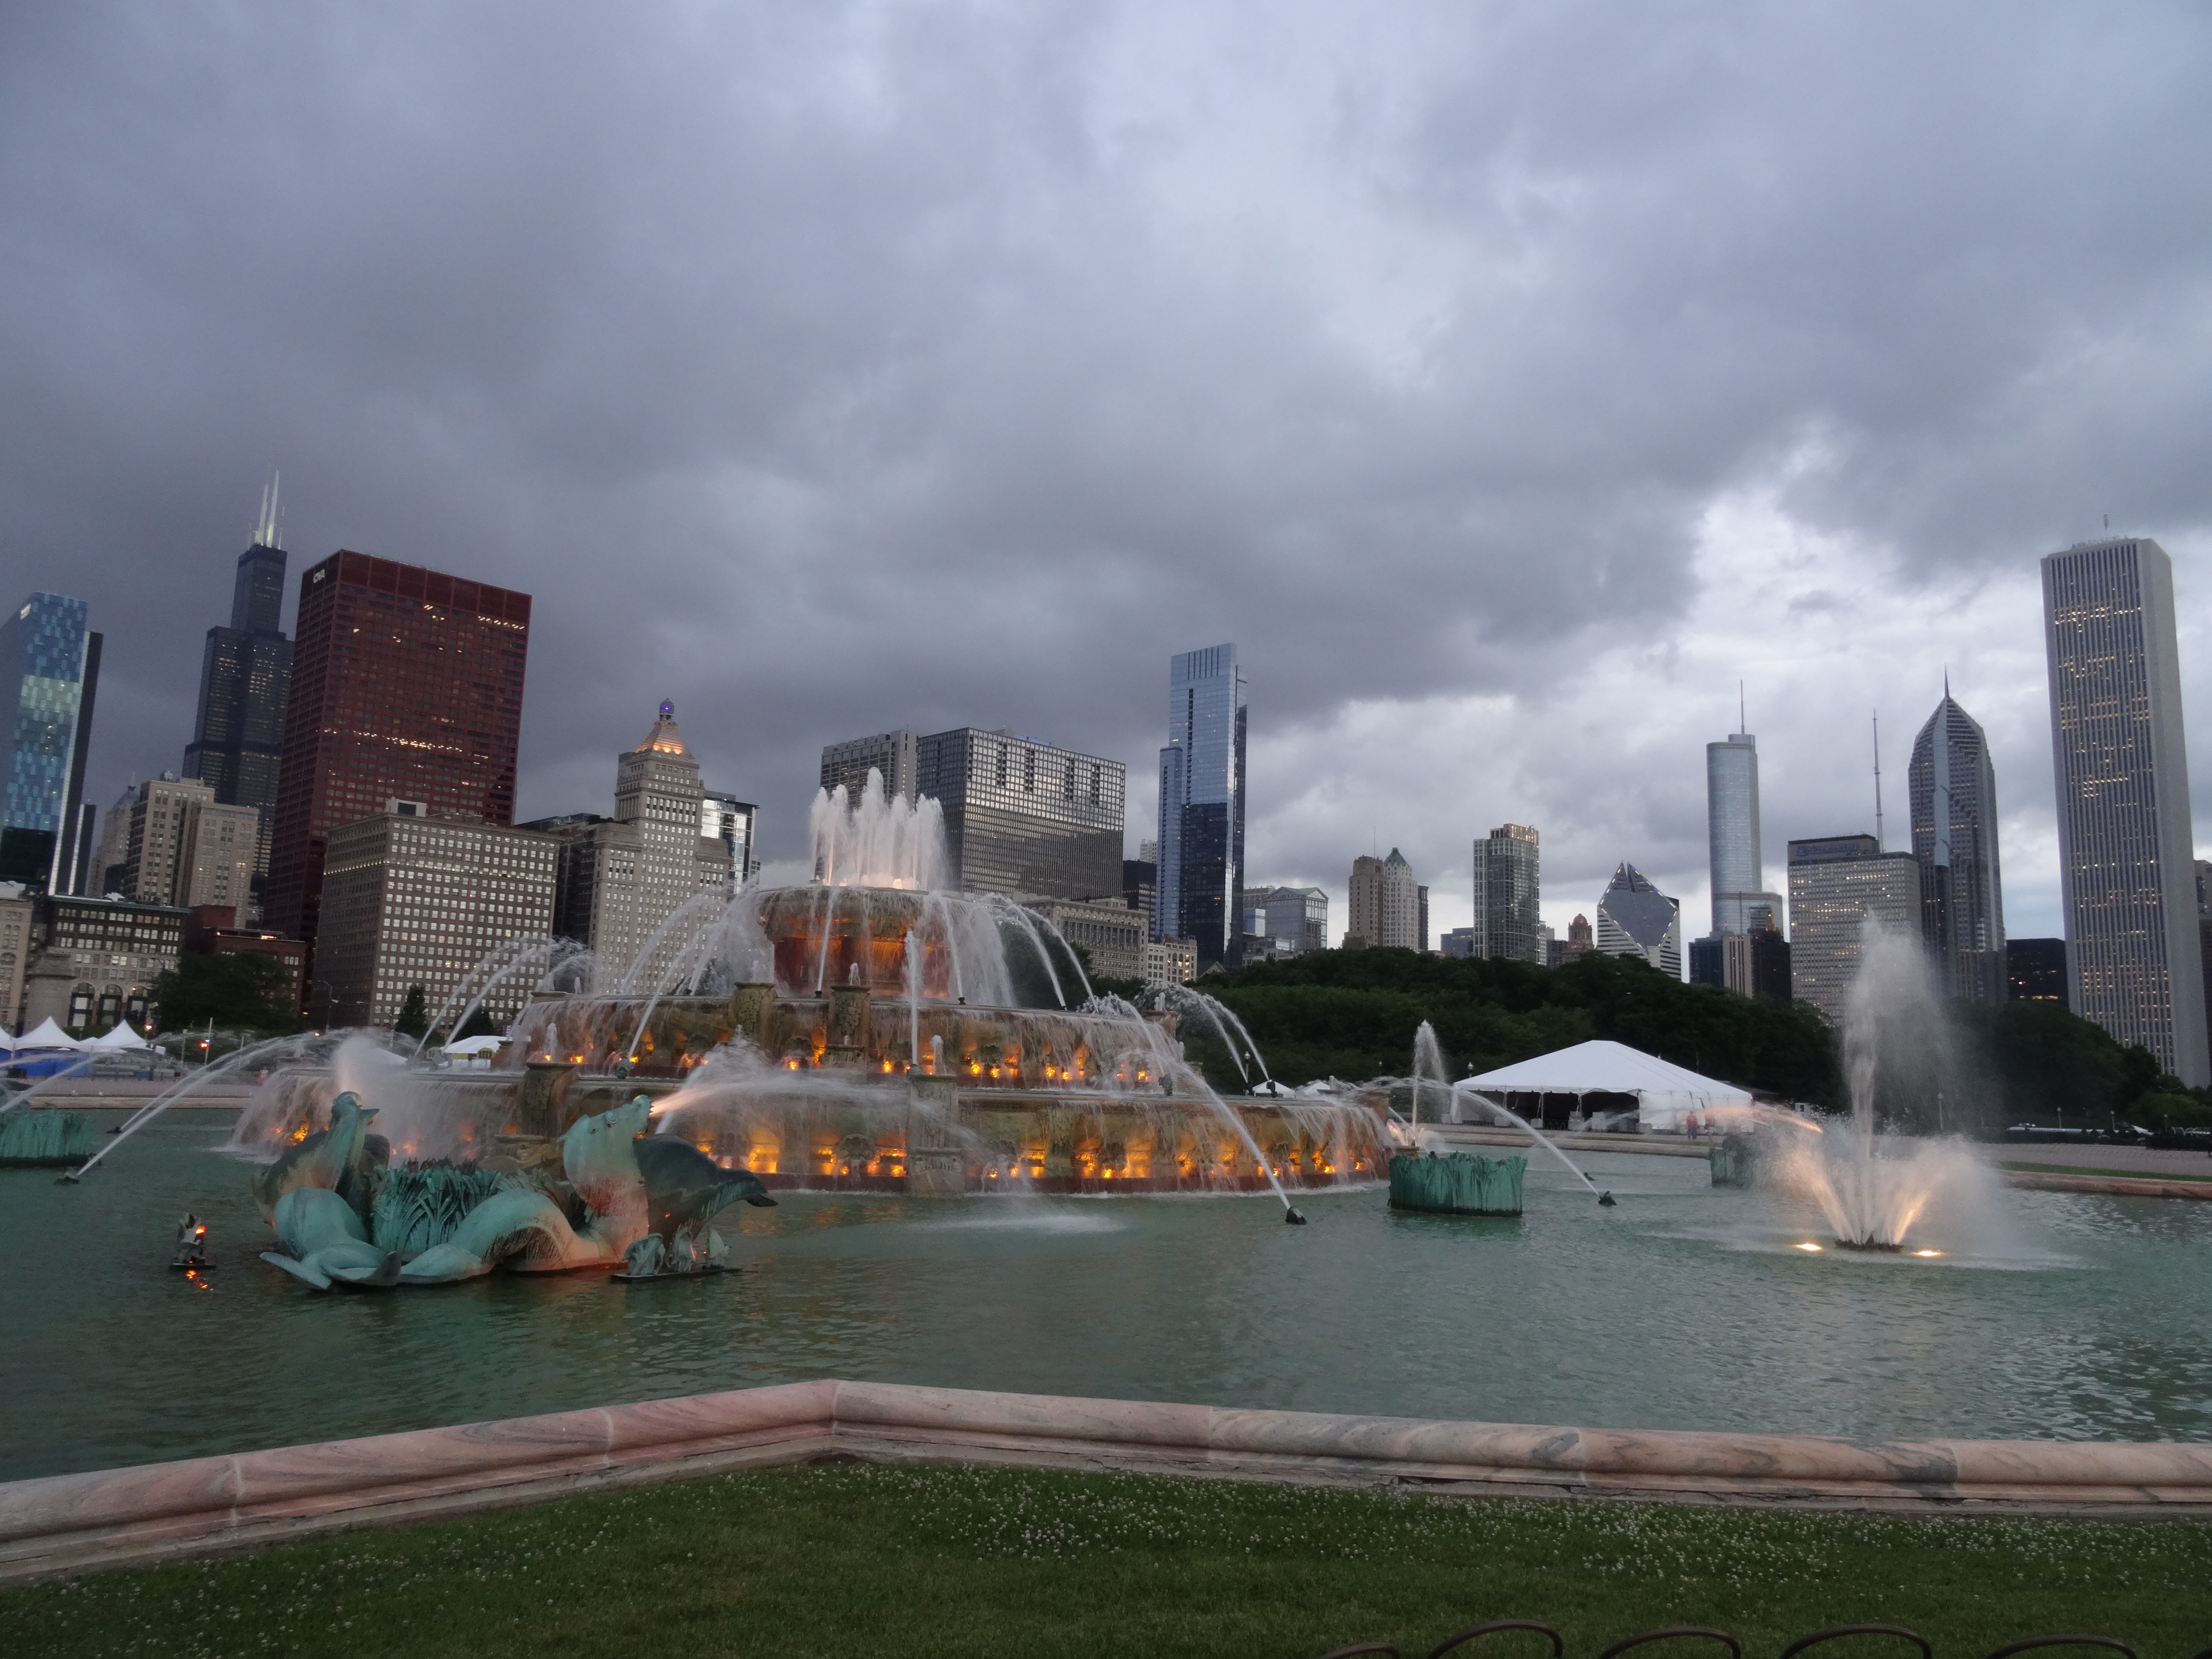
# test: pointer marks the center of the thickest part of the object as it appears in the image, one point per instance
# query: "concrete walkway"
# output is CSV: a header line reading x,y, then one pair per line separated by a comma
x,y
2118,1160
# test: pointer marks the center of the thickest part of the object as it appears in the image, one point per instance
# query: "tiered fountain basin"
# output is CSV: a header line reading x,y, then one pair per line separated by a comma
x,y
835,1075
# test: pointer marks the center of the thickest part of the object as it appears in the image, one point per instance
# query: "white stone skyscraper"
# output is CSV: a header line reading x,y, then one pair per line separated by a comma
x,y
1954,838
2125,843
1740,903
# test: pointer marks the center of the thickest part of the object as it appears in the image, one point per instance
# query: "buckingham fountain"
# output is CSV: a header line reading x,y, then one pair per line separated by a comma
x,y
865,1030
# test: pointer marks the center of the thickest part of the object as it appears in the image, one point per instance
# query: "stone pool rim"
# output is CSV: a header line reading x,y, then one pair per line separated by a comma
x,y
59,1524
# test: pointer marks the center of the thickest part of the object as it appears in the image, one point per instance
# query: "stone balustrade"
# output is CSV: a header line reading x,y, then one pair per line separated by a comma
x,y
155,1511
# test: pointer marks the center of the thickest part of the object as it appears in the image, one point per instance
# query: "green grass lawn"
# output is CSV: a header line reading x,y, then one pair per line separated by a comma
x,y
2085,1170
859,1560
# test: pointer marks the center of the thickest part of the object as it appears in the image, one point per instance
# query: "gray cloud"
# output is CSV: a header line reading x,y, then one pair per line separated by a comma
x,y
1506,382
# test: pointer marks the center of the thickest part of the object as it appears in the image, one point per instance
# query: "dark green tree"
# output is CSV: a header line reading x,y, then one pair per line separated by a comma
x,y
1352,1014
237,990
414,1013
478,1023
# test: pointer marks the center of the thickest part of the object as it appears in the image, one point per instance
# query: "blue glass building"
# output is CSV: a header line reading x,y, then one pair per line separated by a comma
x,y
1201,862
49,668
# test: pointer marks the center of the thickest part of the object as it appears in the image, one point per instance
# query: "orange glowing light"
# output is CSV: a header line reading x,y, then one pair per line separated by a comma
x,y
792,1064
974,1069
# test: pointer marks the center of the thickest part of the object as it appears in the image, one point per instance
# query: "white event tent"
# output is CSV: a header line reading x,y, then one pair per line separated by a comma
x,y
1612,1085
122,1037
47,1035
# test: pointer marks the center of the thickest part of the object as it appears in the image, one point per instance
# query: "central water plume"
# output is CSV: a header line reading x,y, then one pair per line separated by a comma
x,y
877,840
1873,1187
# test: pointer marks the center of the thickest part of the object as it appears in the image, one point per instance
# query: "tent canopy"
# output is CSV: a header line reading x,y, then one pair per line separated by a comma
x,y
121,1037
47,1036
475,1045
1666,1094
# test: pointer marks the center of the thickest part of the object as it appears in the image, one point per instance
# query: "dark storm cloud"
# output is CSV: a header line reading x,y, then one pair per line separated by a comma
x,y
829,368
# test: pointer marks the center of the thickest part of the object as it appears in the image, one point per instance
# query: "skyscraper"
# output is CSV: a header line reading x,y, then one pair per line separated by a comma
x,y
1740,902
1385,905
619,879
406,683
183,848
896,755
1635,919
1024,817
49,670
1507,921
1202,804
1837,882
1954,837
245,675
2125,846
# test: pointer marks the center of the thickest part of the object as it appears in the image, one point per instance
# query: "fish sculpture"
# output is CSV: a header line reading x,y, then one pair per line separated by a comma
x,y
684,1190
326,1243
331,1159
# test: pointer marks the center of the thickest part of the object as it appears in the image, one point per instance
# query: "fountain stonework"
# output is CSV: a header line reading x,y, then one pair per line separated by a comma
x,y
863,1030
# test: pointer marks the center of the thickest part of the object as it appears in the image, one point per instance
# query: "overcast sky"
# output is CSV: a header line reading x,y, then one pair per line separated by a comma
x,y
1506,382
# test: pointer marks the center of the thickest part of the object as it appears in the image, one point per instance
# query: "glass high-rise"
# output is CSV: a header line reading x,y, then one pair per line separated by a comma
x,y
1201,863
1740,903
1508,922
49,670
1954,837
2125,851
246,676
406,685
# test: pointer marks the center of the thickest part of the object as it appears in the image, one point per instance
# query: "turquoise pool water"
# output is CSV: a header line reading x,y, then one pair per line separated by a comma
x,y
2050,1315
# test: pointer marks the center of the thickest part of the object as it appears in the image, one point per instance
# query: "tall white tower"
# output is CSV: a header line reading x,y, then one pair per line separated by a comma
x,y
2125,843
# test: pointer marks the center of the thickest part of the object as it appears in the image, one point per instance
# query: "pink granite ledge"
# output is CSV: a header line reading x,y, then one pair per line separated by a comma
x,y
2119,1186
160,1510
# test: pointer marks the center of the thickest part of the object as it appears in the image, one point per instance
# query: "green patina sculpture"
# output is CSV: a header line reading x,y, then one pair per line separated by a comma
x,y
1733,1161
1458,1184
35,1139
344,1217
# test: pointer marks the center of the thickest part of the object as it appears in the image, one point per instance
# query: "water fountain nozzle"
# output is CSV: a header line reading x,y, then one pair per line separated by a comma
x,y
1292,1217
1605,1202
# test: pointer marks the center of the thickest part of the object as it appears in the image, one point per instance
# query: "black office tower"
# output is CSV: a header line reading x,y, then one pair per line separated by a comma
x,y
245,677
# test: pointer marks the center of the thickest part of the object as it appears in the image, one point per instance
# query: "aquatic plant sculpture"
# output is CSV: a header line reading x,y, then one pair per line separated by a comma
x,y
344,1216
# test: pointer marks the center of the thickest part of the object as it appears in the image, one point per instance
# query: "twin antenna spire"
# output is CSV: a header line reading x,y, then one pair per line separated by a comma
x,y
265,532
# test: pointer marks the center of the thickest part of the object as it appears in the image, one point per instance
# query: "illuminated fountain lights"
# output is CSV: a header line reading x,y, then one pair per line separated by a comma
x,y
1873,1189
864,1030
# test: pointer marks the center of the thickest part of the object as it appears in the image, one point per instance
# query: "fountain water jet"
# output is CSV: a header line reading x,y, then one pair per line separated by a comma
x,y
1870,1188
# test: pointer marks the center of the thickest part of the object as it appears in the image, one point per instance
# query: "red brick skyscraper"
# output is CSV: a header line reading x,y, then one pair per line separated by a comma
x,y
405,683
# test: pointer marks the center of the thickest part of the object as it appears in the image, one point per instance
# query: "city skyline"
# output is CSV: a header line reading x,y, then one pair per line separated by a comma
x,y
1272,376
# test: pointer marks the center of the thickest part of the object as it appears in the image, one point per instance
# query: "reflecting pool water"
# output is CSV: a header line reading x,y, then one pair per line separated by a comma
x,y
1684,1307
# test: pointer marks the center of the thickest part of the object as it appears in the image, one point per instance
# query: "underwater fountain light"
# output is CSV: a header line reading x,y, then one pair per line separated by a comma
x,y
1928,1253
1809,1245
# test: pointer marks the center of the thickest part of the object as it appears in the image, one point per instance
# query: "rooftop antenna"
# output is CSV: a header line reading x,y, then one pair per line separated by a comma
x,y
1880,846
266,533
1742,721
